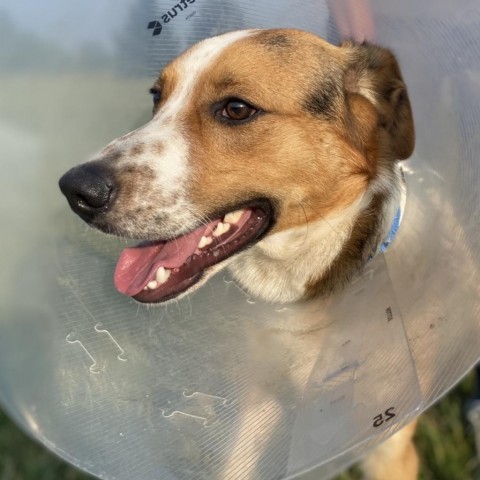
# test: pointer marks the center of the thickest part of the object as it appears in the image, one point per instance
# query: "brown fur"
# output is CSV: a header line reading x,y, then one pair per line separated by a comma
x,y
288,143
395,459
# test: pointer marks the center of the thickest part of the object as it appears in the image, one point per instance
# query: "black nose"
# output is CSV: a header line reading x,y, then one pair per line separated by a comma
x,y
88,189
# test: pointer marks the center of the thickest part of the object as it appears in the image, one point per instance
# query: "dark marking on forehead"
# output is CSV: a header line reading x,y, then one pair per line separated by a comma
x,y
322,99
274,39
226,82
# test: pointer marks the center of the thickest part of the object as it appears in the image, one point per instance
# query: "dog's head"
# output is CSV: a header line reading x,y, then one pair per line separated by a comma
x,y
253,133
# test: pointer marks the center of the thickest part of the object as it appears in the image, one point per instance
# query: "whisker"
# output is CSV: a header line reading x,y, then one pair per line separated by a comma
x,y
306,221
334,230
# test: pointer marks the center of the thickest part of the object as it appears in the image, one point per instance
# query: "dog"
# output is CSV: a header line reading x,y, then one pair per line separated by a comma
x,y
271,152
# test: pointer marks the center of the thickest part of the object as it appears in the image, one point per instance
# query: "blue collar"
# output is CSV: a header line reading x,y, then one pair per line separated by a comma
x,y
397,219
390,237
393,231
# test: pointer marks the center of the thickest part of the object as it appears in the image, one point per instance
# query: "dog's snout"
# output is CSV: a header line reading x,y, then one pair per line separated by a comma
x,y
88,189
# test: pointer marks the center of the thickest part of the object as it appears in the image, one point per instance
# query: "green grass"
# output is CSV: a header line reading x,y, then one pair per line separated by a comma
x,y
445,444
23,459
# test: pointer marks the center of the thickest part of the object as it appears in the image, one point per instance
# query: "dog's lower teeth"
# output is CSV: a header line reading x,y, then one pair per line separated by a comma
x,y
221,229
233,217
162,275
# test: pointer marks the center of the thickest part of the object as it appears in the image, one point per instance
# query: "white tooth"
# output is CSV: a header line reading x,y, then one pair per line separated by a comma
x,y
162,275
233,217
221,229
152,285
204,241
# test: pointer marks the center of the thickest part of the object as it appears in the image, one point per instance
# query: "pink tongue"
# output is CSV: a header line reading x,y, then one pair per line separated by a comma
x,y
137,265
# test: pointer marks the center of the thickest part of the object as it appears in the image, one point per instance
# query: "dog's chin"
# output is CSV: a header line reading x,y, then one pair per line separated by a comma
x,y
159,271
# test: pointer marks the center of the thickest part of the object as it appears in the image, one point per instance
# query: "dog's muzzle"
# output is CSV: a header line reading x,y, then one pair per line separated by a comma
x,y
89,190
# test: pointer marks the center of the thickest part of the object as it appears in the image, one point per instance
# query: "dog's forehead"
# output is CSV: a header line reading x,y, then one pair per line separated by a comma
x,y
276,69
198,59
249,51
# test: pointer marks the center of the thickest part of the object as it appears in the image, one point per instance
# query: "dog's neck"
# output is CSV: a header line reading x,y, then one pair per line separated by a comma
x,y
317,258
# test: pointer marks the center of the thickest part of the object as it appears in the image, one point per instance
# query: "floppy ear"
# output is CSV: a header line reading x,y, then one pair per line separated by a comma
x,y
373,76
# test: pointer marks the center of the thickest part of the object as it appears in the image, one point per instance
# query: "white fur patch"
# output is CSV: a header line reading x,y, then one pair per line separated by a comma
x,y
279,267
165,127
165,148
191,65
172,167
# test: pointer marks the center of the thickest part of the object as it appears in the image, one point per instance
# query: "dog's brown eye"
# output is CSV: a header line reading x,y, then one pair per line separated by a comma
x,y
238,110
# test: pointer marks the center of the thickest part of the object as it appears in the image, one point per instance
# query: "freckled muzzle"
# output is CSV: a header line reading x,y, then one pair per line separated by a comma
x,y
156,271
